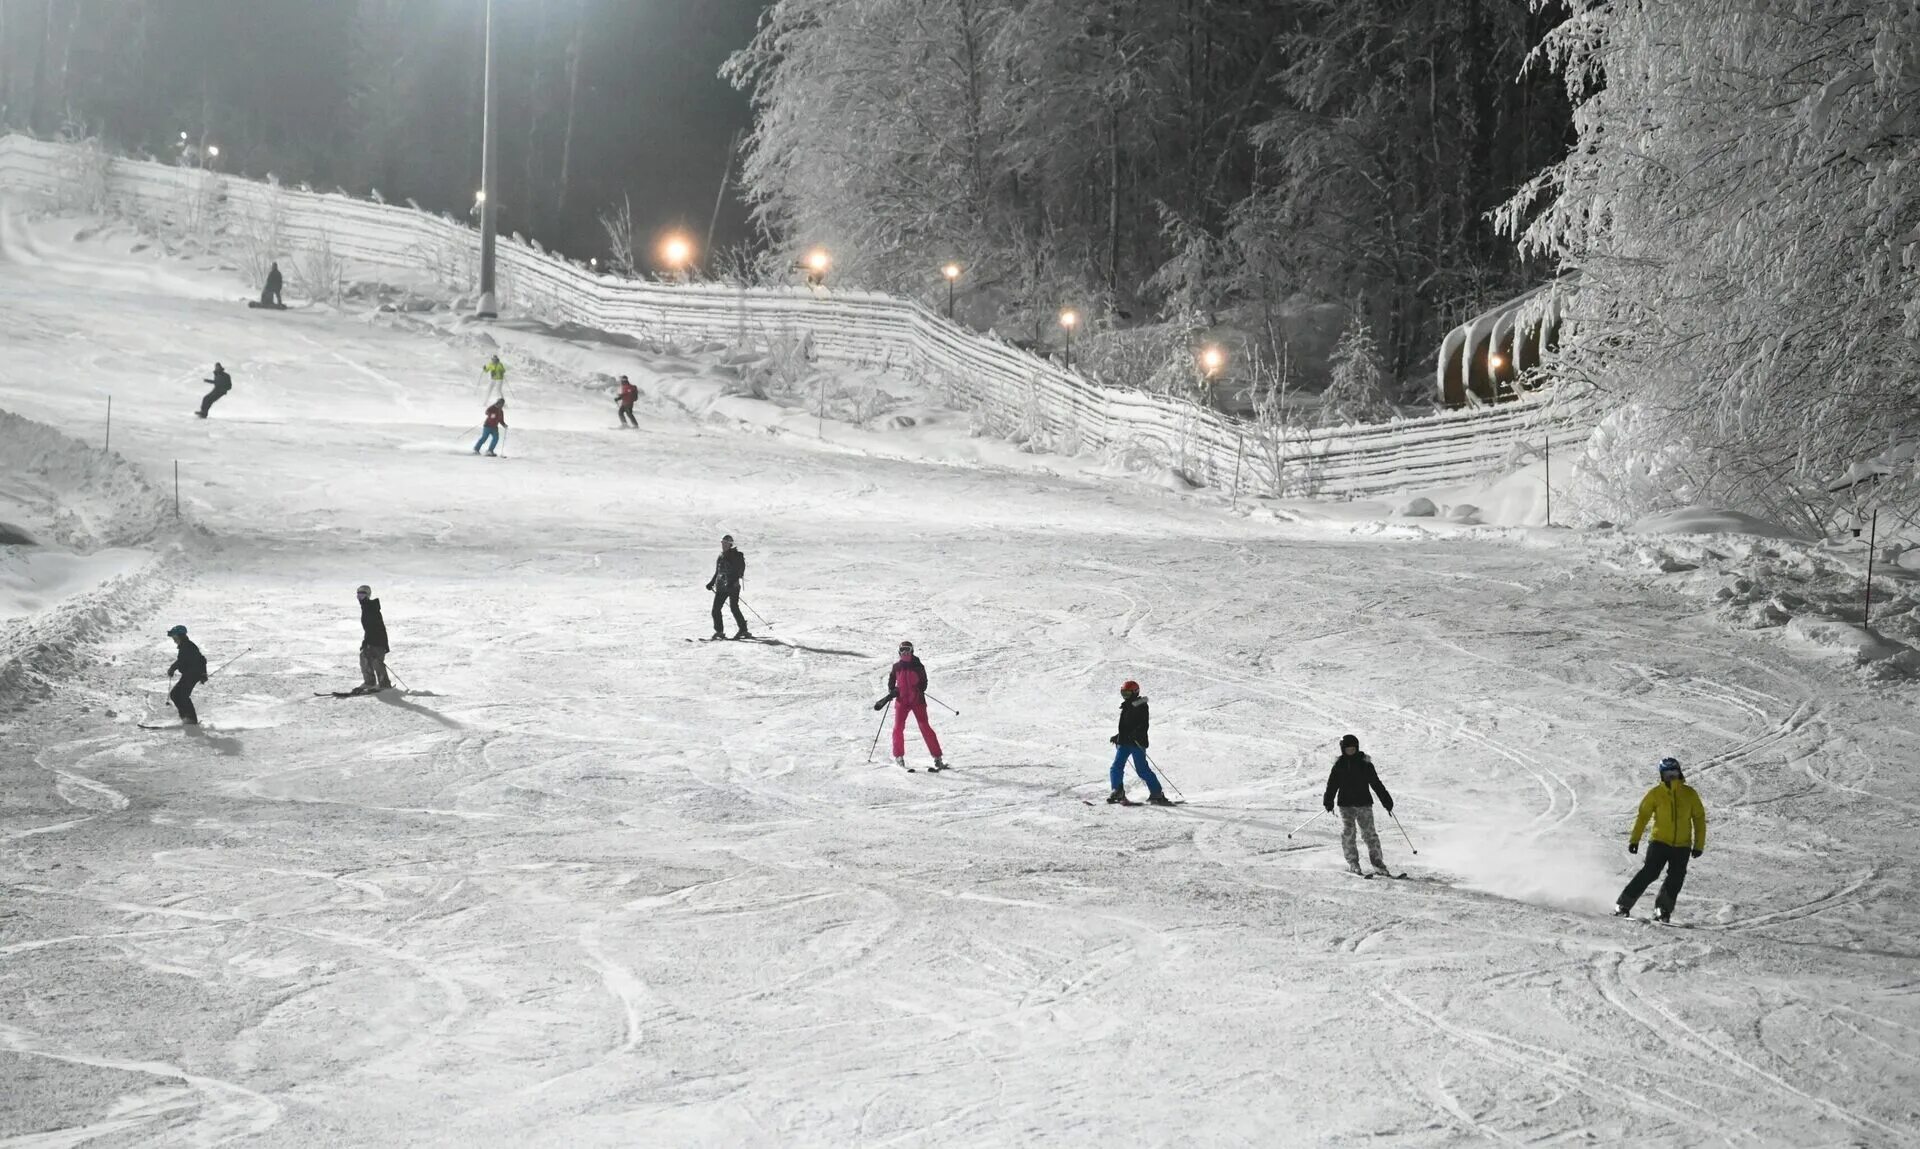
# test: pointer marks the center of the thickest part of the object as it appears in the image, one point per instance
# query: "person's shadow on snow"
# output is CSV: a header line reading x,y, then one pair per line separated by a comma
x,y
393,699
222,744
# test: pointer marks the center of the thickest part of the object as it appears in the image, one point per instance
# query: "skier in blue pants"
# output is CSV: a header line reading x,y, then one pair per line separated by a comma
x,y
1131,743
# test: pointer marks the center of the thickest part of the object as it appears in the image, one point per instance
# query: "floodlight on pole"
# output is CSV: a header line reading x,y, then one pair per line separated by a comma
x,y
488,306
1212,359
952,272
1069,319
676,252
817,263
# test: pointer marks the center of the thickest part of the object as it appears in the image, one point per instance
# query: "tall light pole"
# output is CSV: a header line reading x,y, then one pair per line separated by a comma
x,y
1069,319
952,272
489,307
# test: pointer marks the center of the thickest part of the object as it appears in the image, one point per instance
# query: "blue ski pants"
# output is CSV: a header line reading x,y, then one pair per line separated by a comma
x,y
1118,775
489,439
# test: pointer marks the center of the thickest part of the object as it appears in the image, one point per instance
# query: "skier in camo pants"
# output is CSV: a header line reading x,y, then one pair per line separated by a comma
x,y
1350,781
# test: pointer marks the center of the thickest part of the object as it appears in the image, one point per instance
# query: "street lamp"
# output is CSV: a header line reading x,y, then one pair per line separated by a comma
x,y
1212,359
1069,319
817,263
488,307
952,272
676,251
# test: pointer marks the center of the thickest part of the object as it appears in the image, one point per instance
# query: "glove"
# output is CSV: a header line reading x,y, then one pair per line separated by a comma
x,y
881,705
1633,847
203,682
170,675
709,584
1329,806
1697,853
1388,806
1114,741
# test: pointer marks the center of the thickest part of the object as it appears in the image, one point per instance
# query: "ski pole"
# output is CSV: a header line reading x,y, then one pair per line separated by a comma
x,y
756,614
1308,822
231,661
1403,830
1161,771
931,698
395,675
876,737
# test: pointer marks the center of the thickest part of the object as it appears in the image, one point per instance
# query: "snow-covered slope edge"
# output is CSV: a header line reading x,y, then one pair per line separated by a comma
x,y
88,556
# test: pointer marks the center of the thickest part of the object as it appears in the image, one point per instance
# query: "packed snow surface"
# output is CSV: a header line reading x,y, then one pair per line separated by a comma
x,y
585,882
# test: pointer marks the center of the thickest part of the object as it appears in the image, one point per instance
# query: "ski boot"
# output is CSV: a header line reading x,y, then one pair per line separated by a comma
x,y
1663,916
939,764
902,763
744,633
1156,798
719,634
1622,912
1118,797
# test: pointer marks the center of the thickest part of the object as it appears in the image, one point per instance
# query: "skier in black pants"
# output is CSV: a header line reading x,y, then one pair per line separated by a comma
x,y
191,666
270,295
373,644
729,571
1348,782
222,383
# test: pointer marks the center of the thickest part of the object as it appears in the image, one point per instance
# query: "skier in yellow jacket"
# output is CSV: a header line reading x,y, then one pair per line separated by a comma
x,y
1679,835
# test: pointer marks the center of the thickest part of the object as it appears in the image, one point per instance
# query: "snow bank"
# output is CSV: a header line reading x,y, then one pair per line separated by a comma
x,y
1710,521
1017,394
77,569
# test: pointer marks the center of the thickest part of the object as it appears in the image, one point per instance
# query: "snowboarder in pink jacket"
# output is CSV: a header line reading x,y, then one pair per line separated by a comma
x,y
907,690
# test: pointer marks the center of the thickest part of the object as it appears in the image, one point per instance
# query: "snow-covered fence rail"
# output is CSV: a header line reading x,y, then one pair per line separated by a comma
x,y
1016,393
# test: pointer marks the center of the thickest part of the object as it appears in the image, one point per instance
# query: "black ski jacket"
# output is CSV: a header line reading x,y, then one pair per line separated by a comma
x,y
191,664
729,570
221,379
1133,724
273,280
1352,776
374,626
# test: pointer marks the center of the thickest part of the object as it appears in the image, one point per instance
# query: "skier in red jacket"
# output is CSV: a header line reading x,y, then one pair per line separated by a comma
x,y
496,423
628,393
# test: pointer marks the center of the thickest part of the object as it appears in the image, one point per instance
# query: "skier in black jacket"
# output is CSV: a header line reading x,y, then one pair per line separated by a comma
x,y
729,571
1131,743
270,294
222,383
191,666
1349,783
373,644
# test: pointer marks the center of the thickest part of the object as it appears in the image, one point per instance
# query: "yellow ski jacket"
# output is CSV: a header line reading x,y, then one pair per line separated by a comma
x,y
1679,817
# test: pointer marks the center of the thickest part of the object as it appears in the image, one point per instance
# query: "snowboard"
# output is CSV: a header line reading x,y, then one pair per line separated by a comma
x,y
172,726
345,693
259,306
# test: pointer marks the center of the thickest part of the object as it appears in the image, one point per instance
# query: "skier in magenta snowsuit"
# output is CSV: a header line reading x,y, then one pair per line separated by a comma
x,y
907,690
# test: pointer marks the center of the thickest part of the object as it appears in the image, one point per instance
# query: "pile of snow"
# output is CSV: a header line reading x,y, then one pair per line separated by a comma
x,y
73,566
1711,521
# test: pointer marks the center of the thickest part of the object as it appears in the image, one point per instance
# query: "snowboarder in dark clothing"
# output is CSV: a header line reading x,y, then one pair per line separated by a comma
x,y
270,295
1349,783
222,383
373,644
1679,835
1130,743
628,393
729,571
907,690
191,666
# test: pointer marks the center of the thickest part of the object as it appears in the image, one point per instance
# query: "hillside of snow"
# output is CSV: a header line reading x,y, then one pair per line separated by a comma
x,y
587,882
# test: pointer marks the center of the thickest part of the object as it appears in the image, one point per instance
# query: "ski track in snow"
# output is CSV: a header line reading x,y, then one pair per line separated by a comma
x,y
588,883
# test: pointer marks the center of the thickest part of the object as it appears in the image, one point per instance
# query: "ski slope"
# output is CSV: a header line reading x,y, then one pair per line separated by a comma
x,y
588,883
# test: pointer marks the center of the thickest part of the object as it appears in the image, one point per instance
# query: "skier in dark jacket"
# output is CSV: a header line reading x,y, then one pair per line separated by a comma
x,y
496,422
628,393
222,383
191,666
373,644
1131,743
907,690
729,571
270,294
1349,783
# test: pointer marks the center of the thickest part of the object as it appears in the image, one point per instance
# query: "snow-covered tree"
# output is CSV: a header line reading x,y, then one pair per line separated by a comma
x,y
1743,206
1356,392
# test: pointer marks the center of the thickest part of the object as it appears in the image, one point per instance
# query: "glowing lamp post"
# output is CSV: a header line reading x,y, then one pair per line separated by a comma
x,y
1212,359
817,263
952,272
488,306
676,251
1069,319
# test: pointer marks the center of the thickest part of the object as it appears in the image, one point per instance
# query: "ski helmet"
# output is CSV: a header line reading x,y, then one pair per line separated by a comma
x,y
1129,687
177,632
363,590
906,647
1670,763
726,538
1347,740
